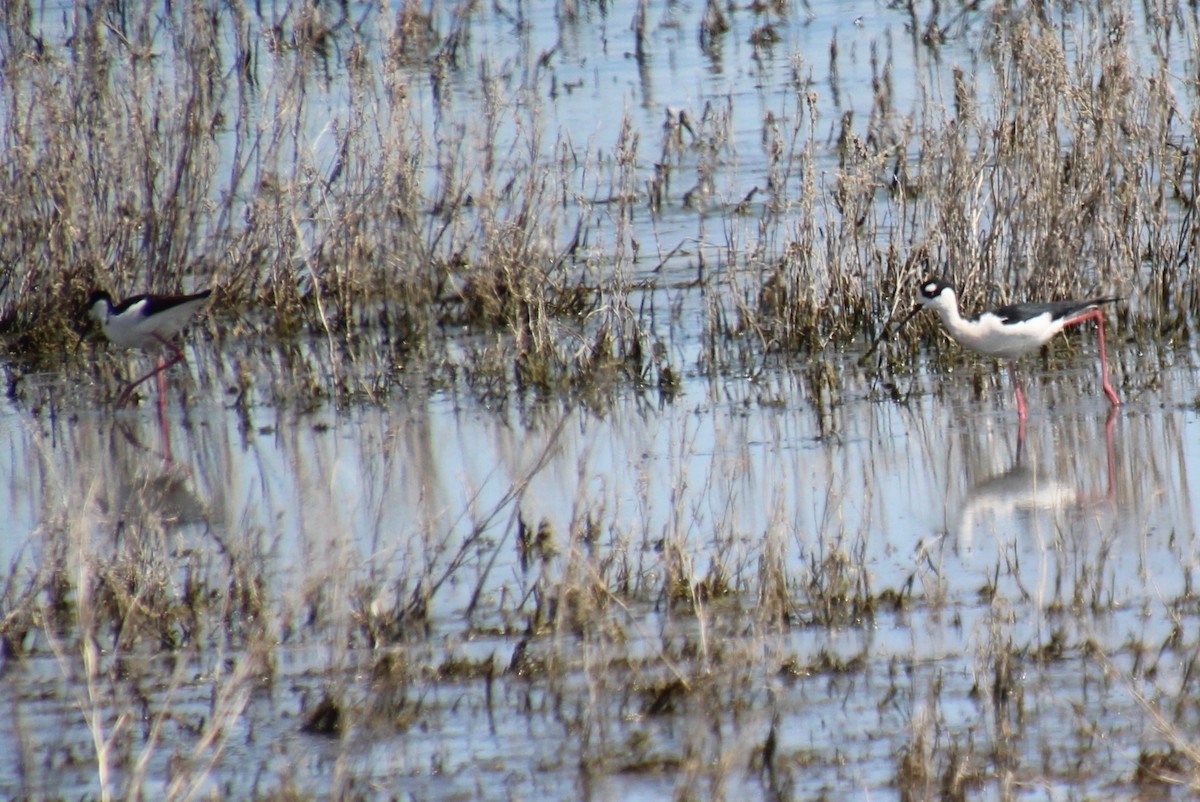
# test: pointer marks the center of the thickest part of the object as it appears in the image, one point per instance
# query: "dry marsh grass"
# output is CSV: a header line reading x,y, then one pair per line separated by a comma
x,y
669,652
327,168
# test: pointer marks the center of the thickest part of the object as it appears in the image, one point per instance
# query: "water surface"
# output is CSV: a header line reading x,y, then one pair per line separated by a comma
x,y
784,577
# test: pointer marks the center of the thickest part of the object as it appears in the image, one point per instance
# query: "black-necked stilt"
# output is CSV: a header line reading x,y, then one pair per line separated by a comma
x,y
1012,331
146,322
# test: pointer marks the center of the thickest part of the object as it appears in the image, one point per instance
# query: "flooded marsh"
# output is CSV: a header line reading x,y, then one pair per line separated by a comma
x,y
702,594
532,444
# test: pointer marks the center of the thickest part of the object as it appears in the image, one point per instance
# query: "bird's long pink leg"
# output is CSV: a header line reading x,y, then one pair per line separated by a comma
x,y
1098,316
176,358
162,414
1022,412
1108,390
162,383
1020,441
1108,448
162,406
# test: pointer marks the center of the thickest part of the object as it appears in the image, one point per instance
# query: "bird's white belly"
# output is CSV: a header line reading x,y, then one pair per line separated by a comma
x,y
992,337
132,334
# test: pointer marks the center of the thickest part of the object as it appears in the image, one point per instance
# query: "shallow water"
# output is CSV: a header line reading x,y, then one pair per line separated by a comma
x,y
761,586
1087,536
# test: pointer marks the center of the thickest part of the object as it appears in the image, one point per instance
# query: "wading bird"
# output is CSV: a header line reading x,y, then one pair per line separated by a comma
x,y
1009,332
146,322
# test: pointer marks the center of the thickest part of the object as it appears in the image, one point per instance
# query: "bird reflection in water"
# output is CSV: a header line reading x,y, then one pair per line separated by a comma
x,y
1026,489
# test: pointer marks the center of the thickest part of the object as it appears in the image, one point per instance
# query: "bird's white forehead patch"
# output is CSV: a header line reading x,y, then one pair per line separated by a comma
x,y
931,288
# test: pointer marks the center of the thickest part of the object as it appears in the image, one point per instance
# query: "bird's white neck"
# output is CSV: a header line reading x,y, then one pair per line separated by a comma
x,y
958,327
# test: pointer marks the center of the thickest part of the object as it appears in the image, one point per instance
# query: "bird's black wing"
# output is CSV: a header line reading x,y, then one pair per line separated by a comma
x,y
159,303
1018,313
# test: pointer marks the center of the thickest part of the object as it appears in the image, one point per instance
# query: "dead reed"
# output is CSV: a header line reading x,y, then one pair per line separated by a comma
x,y
406,210
325,170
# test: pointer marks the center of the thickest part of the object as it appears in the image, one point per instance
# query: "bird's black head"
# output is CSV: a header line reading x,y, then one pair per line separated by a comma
x,y
99,304
933,289
98,296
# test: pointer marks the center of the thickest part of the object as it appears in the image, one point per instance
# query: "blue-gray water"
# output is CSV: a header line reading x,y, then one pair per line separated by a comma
x,y
1084,536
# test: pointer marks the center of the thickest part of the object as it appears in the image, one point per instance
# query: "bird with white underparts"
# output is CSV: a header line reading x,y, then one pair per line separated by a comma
x,y
146,322
1009,332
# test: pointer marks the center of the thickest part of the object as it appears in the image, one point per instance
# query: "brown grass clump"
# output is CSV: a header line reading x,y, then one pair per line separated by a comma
x,y
659,640
1048,175
221,171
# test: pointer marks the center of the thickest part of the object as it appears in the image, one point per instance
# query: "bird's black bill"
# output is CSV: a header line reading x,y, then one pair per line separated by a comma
x,y
911,314
79,343
884,333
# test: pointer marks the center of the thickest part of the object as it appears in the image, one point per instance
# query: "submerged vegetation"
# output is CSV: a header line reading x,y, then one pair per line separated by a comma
x,y
378,191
